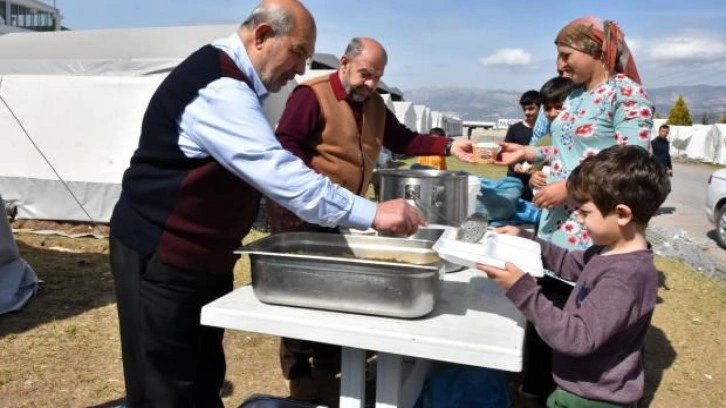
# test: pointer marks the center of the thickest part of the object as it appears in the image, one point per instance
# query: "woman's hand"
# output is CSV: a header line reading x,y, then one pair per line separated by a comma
x,y
513,153
551,195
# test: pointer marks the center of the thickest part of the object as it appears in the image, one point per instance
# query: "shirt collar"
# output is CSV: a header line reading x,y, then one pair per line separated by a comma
x,y
337,85
233,46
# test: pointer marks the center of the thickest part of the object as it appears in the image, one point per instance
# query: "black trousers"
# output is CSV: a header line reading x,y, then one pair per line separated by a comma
x,y
169,358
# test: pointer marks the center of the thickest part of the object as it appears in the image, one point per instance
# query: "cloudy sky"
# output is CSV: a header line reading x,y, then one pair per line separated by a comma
x,y
466,43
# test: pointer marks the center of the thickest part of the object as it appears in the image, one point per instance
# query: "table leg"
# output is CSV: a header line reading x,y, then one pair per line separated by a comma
x,y
352,381
388,382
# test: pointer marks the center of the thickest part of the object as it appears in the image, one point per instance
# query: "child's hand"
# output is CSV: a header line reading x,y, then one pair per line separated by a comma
x,y
522,168
505,278
507,229
551,195
538,179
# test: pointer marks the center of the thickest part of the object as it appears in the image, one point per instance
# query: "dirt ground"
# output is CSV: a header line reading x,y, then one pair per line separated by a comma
x,y
62,349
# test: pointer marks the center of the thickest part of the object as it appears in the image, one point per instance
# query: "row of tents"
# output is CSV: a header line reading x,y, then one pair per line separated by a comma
x,y
71,105
703,143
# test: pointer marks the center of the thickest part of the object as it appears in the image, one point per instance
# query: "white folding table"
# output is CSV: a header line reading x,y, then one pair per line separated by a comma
x,y
473,323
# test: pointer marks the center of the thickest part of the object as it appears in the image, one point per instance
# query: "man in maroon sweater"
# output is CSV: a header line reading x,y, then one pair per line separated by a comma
x,y
337,125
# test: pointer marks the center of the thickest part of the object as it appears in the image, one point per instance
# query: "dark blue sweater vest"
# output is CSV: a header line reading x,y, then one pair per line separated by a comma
x,y
191,212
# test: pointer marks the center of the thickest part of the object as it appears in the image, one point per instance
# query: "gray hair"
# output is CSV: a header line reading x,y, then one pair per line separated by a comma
x,y
277,17
355,48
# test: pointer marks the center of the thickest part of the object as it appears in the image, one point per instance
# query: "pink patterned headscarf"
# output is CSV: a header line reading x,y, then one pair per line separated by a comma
x,y
600,39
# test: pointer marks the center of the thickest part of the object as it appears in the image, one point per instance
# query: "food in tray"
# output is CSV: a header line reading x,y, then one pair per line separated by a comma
x,y
414,259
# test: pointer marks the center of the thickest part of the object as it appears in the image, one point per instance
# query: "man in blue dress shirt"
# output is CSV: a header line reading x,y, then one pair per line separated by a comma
x,y
205,155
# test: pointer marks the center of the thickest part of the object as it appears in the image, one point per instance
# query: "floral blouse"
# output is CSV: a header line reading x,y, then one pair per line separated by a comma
x,y
617,111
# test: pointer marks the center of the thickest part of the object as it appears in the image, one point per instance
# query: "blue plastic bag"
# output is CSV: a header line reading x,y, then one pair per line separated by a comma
x,y
465,386
527,213
498,198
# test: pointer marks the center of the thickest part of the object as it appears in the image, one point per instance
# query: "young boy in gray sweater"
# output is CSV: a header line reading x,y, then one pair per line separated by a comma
x,y
597,338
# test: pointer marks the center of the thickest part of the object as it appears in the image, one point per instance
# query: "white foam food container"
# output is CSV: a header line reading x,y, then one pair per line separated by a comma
x,y
493,249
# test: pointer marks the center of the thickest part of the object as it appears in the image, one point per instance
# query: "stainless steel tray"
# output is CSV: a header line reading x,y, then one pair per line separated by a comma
x,y
346,273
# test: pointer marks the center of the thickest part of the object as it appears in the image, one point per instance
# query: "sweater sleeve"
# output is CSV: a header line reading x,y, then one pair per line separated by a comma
x,y
400,139
566,264
603,308
298,122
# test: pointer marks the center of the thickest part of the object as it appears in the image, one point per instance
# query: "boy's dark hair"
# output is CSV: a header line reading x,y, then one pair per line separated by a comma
x,y
530,97
556,90
621,174
437,131
664,126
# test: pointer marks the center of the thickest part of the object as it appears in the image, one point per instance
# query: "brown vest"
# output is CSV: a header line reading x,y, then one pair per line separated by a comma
x,y
341,153
344,155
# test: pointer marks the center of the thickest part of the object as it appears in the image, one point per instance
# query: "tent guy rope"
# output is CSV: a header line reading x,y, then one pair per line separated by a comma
x,y
45,158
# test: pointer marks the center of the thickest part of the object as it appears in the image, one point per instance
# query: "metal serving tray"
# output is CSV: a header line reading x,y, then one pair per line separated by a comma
x,y
394,277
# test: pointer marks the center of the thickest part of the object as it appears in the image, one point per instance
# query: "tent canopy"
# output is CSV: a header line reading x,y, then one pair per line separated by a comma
x,y
405,114
128,52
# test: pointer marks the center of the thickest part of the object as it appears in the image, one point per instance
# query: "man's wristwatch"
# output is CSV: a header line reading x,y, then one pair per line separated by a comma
x,y
447,149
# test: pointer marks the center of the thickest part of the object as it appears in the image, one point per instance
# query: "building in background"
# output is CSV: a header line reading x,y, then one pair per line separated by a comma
x,y
28,15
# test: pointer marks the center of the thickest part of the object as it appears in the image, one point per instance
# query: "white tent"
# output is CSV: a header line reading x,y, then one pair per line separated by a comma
x,y
313,73
680,137
451,123
388,100
86,127
18,282
127,52
81,96
423,118
704,143
720,156
405,114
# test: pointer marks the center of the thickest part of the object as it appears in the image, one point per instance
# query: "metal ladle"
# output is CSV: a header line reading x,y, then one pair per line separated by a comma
x,y
471,230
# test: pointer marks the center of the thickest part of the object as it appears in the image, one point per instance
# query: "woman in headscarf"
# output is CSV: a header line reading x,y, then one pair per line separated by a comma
x,y
609,107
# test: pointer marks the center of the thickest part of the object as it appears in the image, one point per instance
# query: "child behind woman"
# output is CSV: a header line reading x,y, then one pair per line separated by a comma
x,y
552,96
597,337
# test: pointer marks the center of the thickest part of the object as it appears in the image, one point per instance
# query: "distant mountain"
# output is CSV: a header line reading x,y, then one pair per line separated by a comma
x,y
484,104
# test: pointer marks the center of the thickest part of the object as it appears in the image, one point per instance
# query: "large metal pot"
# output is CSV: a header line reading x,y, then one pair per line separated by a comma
x,y
441,195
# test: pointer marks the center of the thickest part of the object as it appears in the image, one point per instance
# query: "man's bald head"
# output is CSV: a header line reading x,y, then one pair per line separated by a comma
x,y
359,45
361,67
282,15
279,36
